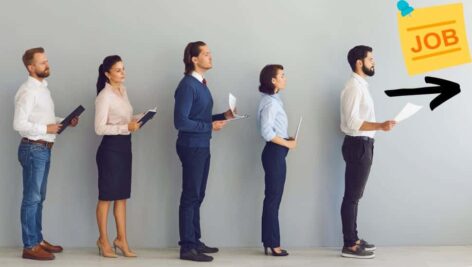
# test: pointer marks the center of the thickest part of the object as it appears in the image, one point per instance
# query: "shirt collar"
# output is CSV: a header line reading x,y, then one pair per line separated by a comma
x,y
277,98
197,76
360,79
36,82
122,88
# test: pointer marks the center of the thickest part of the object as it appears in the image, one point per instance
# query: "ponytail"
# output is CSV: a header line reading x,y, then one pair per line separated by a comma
x,y
102,79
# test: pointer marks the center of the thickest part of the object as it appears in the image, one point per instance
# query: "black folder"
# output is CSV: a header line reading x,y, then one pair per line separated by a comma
x,y
73,114
149,115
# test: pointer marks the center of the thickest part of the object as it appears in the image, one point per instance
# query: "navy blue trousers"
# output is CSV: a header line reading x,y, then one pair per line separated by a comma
x,y
275,168
195,167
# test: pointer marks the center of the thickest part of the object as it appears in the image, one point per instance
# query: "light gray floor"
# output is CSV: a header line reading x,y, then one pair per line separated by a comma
x,y
460,256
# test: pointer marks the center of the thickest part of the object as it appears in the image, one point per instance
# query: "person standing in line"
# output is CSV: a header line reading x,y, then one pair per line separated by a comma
x,y
359,126
38,126
273,125
194,120
114,120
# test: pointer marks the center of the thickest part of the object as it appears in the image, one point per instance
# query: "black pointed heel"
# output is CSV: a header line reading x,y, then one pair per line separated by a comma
x,y
282,252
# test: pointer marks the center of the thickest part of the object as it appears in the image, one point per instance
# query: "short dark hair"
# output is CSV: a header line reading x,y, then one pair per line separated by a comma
x,y
28,56
265,78
191,50
357,53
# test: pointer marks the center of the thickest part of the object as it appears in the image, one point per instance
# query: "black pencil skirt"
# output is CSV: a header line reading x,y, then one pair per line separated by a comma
x,y
114,167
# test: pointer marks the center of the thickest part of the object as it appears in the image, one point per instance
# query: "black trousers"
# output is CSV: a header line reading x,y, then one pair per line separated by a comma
x,y
358,154
195,167
275,168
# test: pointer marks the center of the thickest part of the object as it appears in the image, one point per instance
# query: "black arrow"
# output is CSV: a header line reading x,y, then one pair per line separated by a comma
x,y
446,90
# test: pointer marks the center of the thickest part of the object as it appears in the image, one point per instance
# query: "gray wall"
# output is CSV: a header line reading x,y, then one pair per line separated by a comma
x,y
419,188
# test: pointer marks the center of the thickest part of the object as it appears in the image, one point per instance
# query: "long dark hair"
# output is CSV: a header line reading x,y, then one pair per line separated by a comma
x,y
265,78
108,62
191,50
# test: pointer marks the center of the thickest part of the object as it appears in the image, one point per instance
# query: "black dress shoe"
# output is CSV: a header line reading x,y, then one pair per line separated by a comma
x,y
193,255
202,248
282,252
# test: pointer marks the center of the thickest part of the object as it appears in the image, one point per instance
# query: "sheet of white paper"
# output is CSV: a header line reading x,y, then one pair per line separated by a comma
x,y
298,128
408,111
232,106
232,102
238,117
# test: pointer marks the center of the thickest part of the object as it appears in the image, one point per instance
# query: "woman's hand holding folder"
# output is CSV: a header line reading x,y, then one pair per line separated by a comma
x,y
134,125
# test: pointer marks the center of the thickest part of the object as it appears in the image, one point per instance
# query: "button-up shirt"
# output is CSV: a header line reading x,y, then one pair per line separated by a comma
x,y
113,112
272,118
34,110
357,107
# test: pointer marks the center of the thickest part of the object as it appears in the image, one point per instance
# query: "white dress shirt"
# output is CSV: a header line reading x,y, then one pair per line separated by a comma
x,y
34,110
113,112
198,76
357,107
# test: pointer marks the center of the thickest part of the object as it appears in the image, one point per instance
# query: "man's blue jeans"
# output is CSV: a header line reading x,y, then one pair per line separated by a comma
x,y
35,160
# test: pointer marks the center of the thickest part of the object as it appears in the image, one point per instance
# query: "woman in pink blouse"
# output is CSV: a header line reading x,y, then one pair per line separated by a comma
x,y
115,121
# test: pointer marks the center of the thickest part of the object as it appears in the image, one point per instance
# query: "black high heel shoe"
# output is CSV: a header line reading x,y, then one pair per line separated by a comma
x,y
282,252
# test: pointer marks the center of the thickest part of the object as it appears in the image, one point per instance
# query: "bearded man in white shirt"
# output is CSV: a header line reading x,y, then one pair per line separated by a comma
x,y
38,126
359,125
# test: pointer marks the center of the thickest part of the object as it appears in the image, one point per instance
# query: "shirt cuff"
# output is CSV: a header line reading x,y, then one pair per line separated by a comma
x,y
218,117
43,129
124,129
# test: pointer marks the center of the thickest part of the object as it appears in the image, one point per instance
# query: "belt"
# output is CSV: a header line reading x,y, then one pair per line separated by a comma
x,y
41,142
364,138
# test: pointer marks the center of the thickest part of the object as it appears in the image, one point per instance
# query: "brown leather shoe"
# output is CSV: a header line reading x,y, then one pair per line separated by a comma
x,y
37,253
50,248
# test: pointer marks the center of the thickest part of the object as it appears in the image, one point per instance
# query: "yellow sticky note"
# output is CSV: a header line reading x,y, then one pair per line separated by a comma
x,y
434,38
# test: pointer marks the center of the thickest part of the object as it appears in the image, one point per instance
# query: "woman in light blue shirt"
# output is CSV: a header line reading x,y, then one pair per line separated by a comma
x,y
273,123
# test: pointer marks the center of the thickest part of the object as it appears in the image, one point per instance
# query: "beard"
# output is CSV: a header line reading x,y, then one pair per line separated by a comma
x,y
43,74
369,72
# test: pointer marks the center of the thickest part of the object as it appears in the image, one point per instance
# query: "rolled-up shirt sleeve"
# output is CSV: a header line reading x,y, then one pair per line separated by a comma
x,y
101,117
350,103
23,108
267,118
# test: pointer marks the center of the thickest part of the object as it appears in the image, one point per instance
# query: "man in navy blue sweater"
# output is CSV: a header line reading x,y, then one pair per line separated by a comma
x,y
195,122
